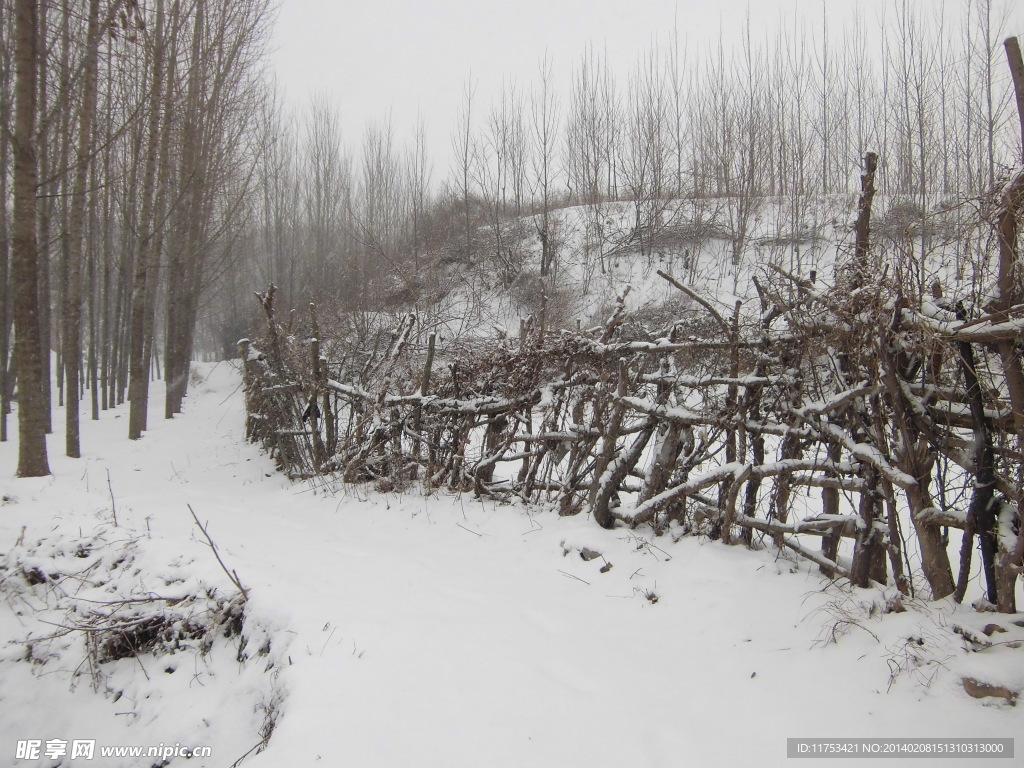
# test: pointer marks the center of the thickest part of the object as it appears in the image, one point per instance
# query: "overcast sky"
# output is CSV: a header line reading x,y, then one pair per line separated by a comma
x,y
416,56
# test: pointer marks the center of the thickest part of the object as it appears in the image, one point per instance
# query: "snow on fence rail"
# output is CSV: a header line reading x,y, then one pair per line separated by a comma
x,y
900,410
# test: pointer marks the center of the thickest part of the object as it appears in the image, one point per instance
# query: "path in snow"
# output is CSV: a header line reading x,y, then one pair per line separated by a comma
x,y
446,632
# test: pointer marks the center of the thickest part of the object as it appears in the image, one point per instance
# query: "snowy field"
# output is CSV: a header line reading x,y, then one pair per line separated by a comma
x,y
441,631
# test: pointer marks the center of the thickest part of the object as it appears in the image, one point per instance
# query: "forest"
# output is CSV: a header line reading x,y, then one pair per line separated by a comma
x,y
858,193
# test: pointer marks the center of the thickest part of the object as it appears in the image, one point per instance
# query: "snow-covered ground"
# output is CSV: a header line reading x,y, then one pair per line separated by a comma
x,y
442,631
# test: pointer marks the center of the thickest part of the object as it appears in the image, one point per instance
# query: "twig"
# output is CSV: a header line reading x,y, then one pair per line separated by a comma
x,y
232,392
468,529
571,576
257,748
113,504
231,574
333,629
132,601
117,626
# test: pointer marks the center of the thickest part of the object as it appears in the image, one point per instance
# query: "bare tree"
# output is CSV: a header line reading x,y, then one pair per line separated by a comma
x,y
462,145
418,171
325,195
379,212
646,149
544,124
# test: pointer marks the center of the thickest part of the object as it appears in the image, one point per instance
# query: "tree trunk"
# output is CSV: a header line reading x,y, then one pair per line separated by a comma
x,y
46,192
32,459
5,294
184,253
138,388
72,332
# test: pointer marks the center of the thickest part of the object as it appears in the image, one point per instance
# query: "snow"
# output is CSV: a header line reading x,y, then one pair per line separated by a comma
x,y
411,630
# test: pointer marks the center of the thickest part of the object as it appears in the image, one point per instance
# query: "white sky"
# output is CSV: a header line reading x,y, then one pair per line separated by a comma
x,y
370,57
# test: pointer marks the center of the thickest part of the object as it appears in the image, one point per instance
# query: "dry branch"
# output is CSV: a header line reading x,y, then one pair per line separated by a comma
x,y
230,573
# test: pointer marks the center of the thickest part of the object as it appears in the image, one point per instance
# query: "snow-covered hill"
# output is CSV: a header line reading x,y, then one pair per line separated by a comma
x,y
598,250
